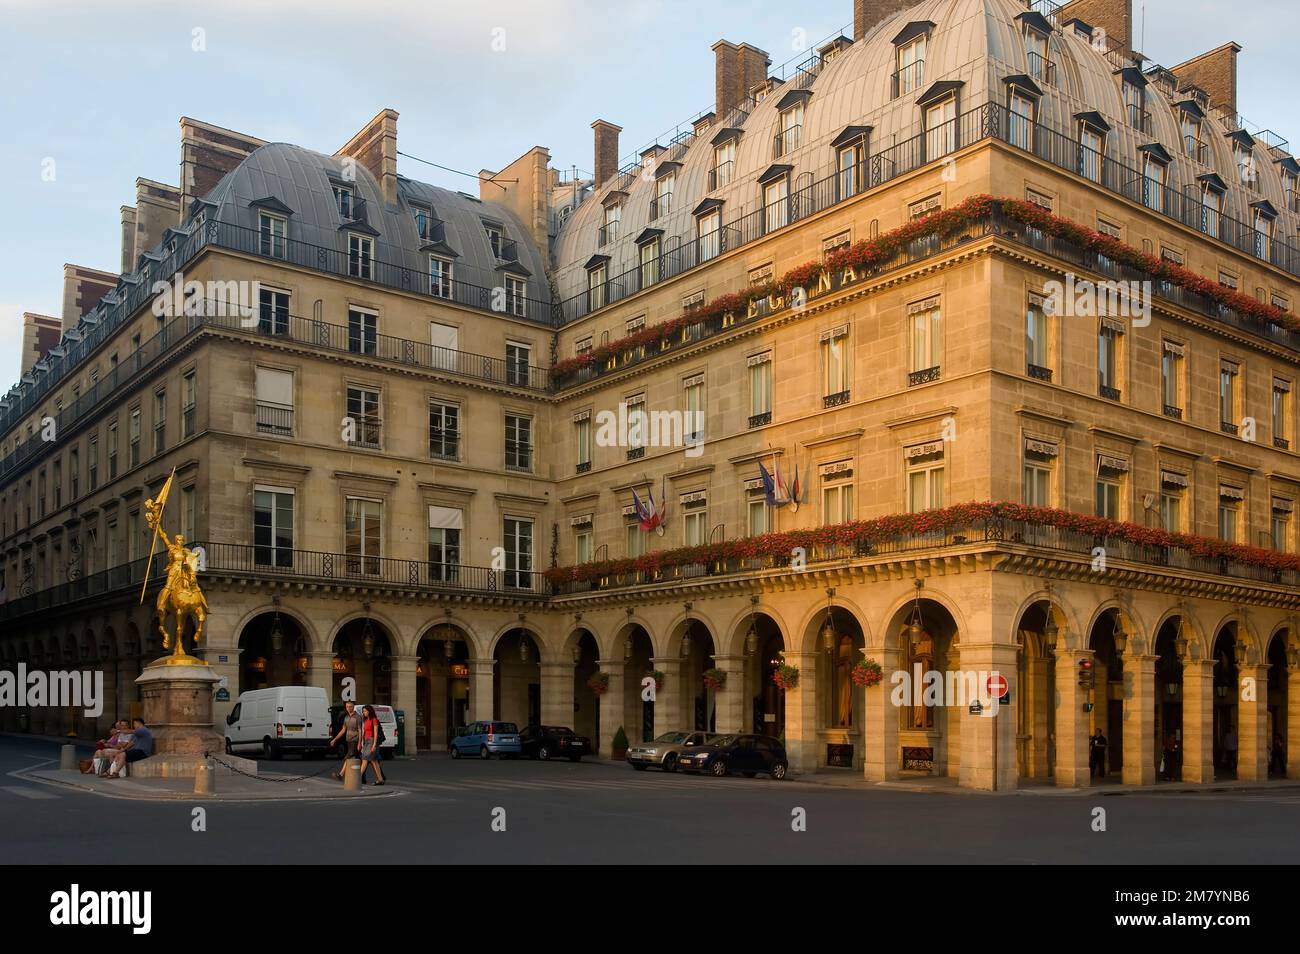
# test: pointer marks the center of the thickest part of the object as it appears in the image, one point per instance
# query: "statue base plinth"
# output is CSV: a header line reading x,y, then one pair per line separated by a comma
x,y
177,694
185,766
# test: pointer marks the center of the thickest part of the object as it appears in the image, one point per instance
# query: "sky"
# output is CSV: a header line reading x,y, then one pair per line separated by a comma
x,y
91,92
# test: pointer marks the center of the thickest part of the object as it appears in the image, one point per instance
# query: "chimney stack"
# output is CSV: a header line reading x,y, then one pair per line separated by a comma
x,y
1216,73
739,68
1113,16
606,151
868,13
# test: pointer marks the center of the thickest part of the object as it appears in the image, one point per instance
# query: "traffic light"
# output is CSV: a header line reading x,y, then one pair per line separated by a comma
x,y
1087,676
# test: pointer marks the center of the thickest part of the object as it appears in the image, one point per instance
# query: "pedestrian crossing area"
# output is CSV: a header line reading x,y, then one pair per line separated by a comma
x,y
23,791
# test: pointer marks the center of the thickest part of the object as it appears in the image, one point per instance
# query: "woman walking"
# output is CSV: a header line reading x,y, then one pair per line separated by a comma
x,y
370,744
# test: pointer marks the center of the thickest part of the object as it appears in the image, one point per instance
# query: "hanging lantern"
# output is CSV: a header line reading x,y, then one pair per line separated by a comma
x,y
751,640
686,643
1120,637
627,647
523,649
914,629
448,649
277,636
1050,631
577,653
367,639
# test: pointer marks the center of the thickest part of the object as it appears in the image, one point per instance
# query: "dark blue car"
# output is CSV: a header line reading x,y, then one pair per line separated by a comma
x,y
746,755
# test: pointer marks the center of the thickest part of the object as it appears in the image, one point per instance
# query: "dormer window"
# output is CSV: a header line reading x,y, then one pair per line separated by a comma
x,y
851,162
1040,67
597,278
791,126
1243,157
1264,222
1289,190
1022,106
1135,106
648,252
422,221
361,251
1212,192
939,117
613,218
1193,147
724,164
662,203
1155,174
440,276
343,199
909,75
271,230
1092,145
495,237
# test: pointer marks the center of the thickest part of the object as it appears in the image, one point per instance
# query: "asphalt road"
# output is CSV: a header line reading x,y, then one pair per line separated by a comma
x,y
559,812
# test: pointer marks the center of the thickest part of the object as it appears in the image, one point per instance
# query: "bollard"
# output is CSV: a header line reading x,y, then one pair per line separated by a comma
x,y
204,780
68,758
352,776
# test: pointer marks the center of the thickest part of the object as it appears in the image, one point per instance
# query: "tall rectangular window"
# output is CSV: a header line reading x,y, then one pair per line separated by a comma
x,y
613,218
362,331
112,450
360,255
758,516
271,234
649,254
516,296
1171,378
74,474
760,389
850,164
582,544
518,552
1281,413
596,287
835,366
925,476
708,235
837,503
1154,173
1228,403
724,163
1230,499
1108,486
910,74
188,512
1036,352
274,401
189,401
776,204
694,427
664,195
1172,488
135,437
1021,131
363,415
439,277
927,325
273,526
519,442
1039,457
582,441
445,526
444,430
518,358
1108,340
272,312
1091,145
1280,524
159,422
92,464
363,535
941,129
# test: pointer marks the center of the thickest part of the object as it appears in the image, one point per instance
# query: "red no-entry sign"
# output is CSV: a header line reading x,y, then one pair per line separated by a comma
x,y
997,686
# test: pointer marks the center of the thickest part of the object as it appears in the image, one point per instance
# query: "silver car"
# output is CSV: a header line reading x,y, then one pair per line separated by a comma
x,y
664,751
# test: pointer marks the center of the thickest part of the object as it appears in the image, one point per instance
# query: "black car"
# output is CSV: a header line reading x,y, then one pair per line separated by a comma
x,y
747,755
553,741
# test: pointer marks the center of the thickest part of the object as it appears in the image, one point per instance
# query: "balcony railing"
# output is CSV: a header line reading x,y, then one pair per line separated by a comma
x,y
1041,68
758,420
274,418
1139,118
660,205
606,234
786,141
1108,392
1039,372
367,431
1193,148
836,399
924,376
1175,412
908,79
721,174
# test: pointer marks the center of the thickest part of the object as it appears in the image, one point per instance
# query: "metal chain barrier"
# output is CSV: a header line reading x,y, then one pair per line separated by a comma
x,y
266,778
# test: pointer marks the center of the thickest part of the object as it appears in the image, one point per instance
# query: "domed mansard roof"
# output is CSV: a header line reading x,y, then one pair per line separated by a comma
x,y
303,181
976,44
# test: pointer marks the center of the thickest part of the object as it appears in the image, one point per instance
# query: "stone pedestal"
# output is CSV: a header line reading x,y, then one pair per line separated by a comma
x,y
178,711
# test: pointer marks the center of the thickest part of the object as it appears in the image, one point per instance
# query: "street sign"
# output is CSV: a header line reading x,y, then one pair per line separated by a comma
x,y
997,686
223,695
976,708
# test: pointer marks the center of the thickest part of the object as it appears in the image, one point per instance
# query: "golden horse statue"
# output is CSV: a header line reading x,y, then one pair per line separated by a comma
x,y
180,596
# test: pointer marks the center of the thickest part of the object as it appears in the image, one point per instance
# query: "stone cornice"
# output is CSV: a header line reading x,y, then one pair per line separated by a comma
x,y
850,434
257,463
449,489
921,417
1165,447
1129,439
1025,411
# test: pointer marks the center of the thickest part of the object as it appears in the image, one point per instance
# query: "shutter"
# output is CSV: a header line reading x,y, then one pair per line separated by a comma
x,y
275,387
446,518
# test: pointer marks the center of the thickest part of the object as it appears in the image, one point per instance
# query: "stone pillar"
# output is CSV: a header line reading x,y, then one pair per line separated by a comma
x,y
125,681
611,704
1101,700
320,673
801,714
1253,742
881,757
1293,722
480,689
103,725
988,739
1139,719
404,697
1071,720
557,693
668,705
1198,721
730,710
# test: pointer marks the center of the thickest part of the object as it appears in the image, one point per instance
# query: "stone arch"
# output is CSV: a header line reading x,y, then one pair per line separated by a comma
x,y
809,626
734,640
392,630
676,628
619,632
1192,631
303,623
1282,631
1246,633
534,634
901,607
1131,621
1063,612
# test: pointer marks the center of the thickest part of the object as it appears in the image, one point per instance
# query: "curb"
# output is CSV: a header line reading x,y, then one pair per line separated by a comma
x,y
128,795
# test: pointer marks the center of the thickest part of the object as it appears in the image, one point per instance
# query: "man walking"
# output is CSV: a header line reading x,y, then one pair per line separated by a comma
x,y
350,732
1097,755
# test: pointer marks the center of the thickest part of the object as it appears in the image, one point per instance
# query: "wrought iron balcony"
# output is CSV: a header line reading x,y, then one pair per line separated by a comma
x,y
274,418
1281,443
1175,412
909,79
1041,68
758,420
836,399
1108,392
1228,427
786,141
1039,372
721,174
924,376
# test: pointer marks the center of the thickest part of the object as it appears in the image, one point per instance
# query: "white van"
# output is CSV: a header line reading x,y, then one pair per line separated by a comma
x,y
278,720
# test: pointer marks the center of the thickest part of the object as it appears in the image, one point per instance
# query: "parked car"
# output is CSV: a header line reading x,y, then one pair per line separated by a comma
x,y
665,750
387,718
278,720
747,755
486,739
553,741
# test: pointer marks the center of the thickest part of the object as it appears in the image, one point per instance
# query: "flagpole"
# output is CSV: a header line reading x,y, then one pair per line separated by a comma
x,y
153,544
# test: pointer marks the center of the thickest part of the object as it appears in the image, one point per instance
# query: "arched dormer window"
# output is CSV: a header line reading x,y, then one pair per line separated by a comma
x,y
909,58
